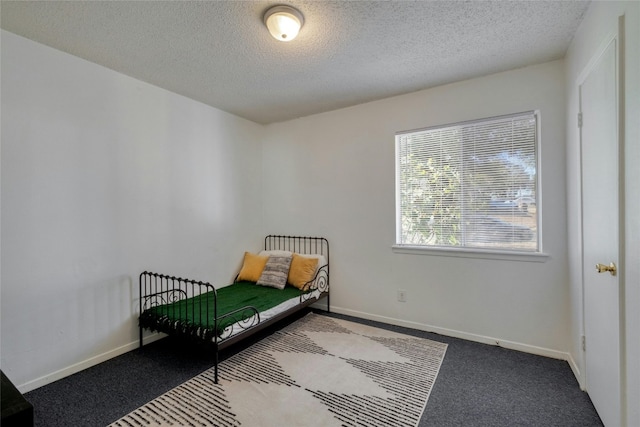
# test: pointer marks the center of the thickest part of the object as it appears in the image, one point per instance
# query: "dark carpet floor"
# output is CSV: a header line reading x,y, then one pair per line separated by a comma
x,y
478,385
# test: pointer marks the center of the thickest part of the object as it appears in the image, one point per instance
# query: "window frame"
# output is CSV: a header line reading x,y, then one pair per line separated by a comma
x,y
465,251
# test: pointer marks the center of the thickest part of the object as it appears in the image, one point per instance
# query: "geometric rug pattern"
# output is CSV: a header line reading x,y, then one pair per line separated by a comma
x,y
317,371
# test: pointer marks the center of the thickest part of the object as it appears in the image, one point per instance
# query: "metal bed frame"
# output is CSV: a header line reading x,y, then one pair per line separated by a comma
x,y
159,289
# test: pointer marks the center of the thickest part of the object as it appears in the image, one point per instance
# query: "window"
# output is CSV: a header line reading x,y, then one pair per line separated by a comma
x,y
470,185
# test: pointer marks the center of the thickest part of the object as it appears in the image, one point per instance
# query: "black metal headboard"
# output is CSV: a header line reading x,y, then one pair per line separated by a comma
x,y
299,244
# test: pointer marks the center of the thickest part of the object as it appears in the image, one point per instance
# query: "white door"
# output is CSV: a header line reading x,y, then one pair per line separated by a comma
x,y
601,237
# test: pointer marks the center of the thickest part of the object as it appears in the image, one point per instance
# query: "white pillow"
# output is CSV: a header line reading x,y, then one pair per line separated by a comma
x,y
275,253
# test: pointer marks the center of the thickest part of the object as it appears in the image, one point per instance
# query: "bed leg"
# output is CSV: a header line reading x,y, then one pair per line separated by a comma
x,y
215,364
328,304
140,337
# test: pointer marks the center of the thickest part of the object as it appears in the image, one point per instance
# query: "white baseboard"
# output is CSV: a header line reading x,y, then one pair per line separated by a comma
x,y
92,361
526,348
576,372
95,360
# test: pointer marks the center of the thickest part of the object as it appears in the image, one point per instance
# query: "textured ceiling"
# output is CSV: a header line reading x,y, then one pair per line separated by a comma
x,y
347,53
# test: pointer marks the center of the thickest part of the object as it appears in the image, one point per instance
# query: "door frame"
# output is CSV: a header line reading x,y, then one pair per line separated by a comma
x,y
617,34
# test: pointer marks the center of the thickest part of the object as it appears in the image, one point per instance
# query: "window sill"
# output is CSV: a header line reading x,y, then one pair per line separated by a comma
x,y
472,253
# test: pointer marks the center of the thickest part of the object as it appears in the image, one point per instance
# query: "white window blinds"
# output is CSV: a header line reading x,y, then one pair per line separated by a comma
x,y
470,184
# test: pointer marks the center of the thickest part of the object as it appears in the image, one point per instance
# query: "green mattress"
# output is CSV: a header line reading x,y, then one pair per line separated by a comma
x,y
196,316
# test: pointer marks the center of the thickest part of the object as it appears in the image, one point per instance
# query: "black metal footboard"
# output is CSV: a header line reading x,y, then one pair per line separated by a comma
x,y
189,308
191,317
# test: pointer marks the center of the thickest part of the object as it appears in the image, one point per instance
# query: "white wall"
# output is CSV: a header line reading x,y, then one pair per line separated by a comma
x,y
333,175
600,20
104,176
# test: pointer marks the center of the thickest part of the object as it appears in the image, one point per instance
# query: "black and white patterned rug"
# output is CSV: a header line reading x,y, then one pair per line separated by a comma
x,y
318,371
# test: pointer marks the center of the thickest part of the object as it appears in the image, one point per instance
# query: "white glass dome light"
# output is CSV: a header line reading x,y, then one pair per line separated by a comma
x,y
283,22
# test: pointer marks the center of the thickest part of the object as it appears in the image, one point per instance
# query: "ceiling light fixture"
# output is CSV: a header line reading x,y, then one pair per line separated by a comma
x,y
283,22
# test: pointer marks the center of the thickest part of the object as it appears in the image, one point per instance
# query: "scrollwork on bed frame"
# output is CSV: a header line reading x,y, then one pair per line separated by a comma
x,y
241,319
320,283
163,297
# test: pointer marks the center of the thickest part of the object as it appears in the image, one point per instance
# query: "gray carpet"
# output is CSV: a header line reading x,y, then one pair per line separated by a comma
x,y
478,385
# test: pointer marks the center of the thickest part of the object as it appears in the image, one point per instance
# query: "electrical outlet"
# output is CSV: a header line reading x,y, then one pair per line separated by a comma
x,y
402,295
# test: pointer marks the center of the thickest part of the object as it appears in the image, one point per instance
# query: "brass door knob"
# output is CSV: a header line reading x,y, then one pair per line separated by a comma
x,y
611,268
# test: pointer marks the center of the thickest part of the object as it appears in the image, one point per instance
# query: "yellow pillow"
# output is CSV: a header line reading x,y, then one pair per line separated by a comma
x,y
301,271
252,267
